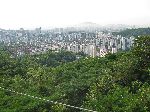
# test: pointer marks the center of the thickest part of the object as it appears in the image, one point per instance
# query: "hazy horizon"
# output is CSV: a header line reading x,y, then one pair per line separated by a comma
x,y
62,13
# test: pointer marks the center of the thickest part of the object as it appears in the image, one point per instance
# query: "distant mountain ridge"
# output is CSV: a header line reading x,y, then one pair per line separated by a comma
x,y
133,32
95,26
92,25
88,24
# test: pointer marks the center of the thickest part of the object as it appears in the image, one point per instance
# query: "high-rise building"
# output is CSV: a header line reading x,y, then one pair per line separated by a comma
x,y
92,50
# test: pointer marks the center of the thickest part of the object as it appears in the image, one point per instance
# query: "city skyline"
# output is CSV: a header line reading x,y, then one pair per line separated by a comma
x,y
61,13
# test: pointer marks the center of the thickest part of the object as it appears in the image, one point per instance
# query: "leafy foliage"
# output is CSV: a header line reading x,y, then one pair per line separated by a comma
x,y
118,82
134,32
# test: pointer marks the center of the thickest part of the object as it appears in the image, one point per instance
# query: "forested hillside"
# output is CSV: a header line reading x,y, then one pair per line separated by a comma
x,y
133,32
118,82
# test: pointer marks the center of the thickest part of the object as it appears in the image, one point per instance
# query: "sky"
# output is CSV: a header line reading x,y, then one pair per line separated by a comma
x,y
16,14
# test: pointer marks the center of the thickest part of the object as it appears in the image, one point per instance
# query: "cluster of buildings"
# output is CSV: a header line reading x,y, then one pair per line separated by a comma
x,y
101,44
96,43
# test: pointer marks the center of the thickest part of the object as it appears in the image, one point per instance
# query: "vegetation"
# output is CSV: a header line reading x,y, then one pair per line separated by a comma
x,y
133,32
118,82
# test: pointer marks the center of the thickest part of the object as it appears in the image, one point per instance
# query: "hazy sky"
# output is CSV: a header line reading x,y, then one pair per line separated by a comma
x,y
46,13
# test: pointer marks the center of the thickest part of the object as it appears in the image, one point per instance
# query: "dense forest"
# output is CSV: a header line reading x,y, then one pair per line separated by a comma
x,y
133,32
117,82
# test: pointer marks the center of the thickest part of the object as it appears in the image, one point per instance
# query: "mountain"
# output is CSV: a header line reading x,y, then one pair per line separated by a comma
x,y
88,24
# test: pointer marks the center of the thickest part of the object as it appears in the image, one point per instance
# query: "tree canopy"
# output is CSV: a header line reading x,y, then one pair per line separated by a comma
x,y
133,32
117,82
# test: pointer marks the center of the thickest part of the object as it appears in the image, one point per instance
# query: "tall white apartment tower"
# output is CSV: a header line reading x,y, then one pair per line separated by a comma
x,y
123,42
92,50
